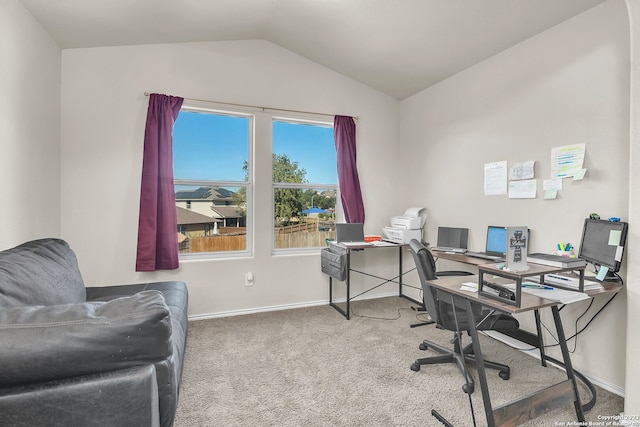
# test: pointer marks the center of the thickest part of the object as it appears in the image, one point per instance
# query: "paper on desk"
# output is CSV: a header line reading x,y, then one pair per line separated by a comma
x,y
382,243
469,287
555,294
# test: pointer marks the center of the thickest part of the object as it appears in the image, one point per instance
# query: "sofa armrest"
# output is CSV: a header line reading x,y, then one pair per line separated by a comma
x,y
41,343
126,397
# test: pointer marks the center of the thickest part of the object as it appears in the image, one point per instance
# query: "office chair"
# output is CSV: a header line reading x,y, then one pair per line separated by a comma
x,y
441,311
439,274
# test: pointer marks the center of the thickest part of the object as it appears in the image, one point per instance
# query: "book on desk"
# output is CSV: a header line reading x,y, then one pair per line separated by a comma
x,y
555,260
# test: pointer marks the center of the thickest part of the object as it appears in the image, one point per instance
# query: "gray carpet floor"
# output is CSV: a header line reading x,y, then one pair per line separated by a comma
x,y
312,367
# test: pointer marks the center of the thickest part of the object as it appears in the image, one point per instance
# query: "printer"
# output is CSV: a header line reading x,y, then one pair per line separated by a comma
x,y
405,227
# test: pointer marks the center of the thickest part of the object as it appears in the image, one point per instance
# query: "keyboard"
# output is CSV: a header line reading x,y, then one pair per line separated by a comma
x,y
355,243
454,250
482,255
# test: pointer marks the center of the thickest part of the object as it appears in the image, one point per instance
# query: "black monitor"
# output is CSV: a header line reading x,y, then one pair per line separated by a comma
x,y
602,243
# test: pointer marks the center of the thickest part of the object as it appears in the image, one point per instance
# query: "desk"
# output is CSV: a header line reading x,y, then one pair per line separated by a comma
x,y
350,249
528,407
527,337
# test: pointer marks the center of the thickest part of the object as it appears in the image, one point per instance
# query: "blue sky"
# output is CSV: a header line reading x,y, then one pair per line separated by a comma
x,y
219,147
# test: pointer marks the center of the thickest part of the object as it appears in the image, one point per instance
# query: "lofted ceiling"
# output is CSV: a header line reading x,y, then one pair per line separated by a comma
x,y
399,47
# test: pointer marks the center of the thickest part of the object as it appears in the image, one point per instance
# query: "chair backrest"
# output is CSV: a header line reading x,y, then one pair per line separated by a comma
x,y
426,266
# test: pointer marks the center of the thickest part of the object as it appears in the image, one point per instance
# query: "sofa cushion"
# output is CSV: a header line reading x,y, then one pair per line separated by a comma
x,y
40,272
42,343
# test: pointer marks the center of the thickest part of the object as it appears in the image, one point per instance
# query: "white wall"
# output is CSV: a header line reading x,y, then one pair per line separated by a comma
x,y
103,116
567,85
29,128
632,390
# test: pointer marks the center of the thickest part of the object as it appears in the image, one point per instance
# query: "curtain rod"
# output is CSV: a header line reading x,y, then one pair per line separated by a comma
x,y
259,107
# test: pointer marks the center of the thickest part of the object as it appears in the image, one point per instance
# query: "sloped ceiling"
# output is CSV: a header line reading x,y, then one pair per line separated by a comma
x,y
399,47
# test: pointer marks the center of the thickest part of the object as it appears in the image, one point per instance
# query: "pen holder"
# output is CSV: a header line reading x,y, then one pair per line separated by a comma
x,y
568,254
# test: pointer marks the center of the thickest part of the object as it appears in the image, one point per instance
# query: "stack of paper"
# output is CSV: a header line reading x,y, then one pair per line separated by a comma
x,y
561,295
567,282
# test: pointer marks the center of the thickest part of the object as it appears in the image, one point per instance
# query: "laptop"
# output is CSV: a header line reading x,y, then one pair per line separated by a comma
x,y
452,239
350,234
496,245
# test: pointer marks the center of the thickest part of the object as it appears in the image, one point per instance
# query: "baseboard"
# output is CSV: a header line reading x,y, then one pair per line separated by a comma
x,y
526,348
282,307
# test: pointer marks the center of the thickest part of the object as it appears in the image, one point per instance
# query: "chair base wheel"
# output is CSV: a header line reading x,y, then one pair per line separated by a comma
x,y
468,388
423,346
415,367
505,375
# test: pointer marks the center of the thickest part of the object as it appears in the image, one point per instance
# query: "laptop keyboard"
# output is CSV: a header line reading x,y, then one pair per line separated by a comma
x,y
454,250
484,256
355,243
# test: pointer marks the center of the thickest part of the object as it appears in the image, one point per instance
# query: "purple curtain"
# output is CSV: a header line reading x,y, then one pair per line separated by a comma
x,y
344,134
157,224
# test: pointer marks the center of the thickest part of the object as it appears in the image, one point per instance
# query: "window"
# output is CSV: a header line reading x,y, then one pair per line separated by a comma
x,y
304,183
212,180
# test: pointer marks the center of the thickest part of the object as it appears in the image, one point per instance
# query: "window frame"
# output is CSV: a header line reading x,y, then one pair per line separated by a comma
x,y
248,184
297,119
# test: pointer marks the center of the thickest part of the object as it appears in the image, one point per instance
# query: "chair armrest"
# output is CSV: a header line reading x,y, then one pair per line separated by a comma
x,y
126,397
41,343
454,273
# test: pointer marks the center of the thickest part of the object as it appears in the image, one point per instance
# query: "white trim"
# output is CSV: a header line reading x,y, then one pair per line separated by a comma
x,y
279,307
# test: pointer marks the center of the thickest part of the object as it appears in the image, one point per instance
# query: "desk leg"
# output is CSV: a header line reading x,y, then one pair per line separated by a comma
x,y
400,271
345,313
482,376
567,361
543,357
348,314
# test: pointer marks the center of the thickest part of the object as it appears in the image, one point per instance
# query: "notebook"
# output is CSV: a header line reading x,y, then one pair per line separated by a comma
x,y
452,239
496,244
350,234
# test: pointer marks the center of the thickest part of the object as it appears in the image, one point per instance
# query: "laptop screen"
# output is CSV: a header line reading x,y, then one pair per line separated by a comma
x,y
496,241
350,232
453,237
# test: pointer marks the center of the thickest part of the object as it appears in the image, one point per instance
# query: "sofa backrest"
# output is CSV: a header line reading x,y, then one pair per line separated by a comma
x,y
40,272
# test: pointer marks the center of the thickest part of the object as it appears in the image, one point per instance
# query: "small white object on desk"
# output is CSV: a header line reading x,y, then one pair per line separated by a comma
x,y
469,286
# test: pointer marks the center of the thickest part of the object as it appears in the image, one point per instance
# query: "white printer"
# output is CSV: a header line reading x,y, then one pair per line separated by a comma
x,y
406,227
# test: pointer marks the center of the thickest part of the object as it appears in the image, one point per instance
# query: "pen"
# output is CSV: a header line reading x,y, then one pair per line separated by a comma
x,y
531,285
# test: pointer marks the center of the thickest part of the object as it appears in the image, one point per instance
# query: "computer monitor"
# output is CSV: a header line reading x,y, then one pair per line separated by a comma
x,y
602,243
453,237
496,241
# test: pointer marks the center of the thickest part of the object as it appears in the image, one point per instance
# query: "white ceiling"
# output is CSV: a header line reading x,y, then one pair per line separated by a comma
x,y
396,46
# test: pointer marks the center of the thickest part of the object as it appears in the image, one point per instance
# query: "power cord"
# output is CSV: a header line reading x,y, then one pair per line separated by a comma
x,y
353,313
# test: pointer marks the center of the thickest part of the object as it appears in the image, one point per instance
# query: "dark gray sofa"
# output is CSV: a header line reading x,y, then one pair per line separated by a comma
x,y
95,356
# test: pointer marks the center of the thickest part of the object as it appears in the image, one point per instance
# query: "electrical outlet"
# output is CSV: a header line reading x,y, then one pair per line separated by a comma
x,y
248,279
